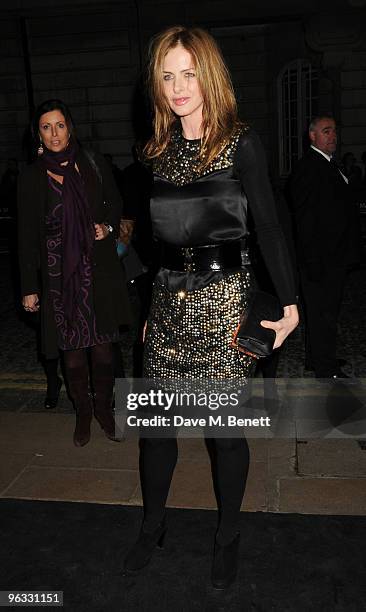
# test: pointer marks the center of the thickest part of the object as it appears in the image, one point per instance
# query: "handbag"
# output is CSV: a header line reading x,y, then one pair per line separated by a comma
x,y
250,337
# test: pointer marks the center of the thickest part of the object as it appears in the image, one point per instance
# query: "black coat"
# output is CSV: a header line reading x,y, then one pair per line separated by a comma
x,y
110,296
326,223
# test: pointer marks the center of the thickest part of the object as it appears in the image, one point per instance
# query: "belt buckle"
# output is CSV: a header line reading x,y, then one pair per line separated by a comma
x,y
215,266
188,264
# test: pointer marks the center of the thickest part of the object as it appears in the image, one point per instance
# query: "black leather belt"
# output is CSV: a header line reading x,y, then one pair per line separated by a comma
x,y
205,258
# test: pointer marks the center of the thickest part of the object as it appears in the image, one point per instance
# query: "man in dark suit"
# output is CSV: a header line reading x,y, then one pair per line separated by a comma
x,y
326,237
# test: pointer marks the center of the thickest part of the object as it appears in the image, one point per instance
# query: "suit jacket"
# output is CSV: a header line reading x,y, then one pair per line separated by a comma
x,y
136,189
326,223
110,296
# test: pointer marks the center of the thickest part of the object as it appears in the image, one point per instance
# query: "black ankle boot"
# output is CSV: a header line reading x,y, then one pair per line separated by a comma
x,y
140,554
225,563
53,393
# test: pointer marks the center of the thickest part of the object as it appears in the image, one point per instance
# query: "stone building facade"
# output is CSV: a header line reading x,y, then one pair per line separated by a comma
x,y
288,59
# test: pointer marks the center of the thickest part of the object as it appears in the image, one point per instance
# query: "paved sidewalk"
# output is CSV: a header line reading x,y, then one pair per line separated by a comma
x,y
303,473
38,461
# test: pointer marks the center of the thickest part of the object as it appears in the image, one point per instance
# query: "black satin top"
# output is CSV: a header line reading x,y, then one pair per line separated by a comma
x,y
194,208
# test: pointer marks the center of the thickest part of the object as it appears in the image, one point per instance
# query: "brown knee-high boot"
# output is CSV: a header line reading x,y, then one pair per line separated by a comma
x,y
77,375
84,413
103,382
103,412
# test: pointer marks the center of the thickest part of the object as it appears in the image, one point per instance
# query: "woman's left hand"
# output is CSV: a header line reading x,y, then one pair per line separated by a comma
x,y
101,231
284,326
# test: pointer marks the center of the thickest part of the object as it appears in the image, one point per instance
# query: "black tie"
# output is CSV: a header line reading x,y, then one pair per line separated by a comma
x,y
335,163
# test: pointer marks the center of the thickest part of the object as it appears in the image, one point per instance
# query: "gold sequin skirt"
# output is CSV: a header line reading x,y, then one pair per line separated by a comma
x,y
189,333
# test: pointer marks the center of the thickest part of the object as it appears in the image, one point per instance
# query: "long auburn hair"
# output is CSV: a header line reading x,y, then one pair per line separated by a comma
x,y
219,114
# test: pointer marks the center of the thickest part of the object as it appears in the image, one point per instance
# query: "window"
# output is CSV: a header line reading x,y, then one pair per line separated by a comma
x,y
297,103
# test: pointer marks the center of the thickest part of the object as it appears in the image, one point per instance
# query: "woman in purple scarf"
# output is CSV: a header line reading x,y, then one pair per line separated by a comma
x,y
69,211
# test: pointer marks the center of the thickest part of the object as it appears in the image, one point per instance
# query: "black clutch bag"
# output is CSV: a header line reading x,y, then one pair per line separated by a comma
x,y
250,337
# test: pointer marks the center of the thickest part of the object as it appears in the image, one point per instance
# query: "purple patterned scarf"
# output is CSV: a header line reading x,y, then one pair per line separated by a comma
x,y
77,224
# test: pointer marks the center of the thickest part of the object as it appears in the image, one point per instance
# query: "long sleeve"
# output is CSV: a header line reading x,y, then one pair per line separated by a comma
x,y
28,233
111,194
251,168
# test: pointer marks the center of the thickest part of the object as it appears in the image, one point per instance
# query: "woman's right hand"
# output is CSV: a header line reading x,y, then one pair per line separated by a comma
x,y
31,302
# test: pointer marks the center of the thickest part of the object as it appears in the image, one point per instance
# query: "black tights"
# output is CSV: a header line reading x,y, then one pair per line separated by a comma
x,y
102,371
230,463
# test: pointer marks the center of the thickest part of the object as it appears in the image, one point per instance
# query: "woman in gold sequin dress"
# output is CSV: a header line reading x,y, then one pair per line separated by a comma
x,y
208,169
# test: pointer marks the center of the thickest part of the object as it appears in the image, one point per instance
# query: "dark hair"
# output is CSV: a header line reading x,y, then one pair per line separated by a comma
x,y
46,107
315,120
